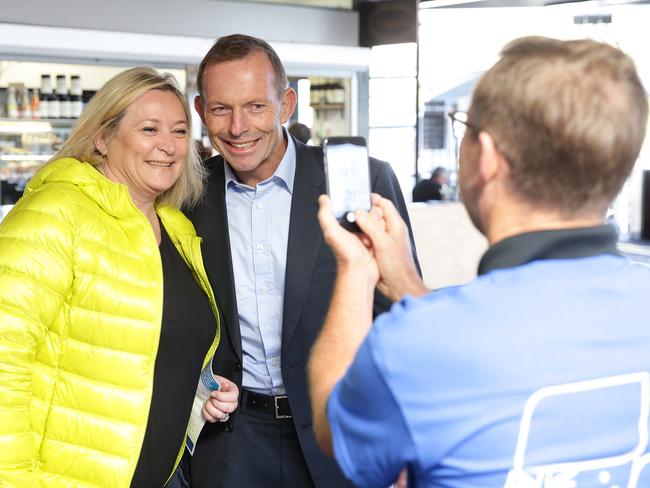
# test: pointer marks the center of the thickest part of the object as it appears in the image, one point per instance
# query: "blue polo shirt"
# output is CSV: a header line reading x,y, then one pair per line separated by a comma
x,y
535,374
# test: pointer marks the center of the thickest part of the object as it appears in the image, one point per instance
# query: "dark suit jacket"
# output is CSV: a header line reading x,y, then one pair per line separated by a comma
x,y
426,190
309,279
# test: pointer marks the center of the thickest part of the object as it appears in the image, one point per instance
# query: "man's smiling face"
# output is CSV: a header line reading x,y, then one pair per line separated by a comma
x,y
243,110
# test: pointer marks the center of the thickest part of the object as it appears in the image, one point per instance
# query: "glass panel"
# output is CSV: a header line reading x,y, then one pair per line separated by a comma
x,y
397,147
393,60
392,102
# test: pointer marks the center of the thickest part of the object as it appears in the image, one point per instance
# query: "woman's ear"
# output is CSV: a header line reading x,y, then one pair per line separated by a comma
x,y
101,143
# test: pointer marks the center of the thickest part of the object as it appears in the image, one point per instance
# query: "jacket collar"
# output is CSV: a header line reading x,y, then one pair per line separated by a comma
x,y
113,198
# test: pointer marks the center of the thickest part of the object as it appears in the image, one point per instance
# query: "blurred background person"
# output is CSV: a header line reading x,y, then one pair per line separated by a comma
x,y
431,188
99,272
300,132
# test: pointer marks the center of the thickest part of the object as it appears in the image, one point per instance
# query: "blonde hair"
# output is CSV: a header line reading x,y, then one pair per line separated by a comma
x,y
104,114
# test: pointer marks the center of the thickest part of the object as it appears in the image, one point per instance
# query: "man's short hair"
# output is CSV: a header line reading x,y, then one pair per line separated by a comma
x,y
438,172
239,46
569,117
300,132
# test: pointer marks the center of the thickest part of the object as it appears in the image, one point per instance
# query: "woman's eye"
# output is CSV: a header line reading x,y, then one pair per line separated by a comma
x,y
180,132
149,130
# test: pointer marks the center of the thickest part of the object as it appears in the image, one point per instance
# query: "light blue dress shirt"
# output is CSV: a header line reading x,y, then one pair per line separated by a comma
x,y
258,221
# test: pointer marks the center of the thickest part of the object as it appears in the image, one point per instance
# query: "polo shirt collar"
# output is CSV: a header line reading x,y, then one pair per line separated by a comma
x,y
549,244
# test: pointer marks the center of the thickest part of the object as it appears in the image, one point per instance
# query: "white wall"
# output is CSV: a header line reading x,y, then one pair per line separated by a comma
x,y
199,18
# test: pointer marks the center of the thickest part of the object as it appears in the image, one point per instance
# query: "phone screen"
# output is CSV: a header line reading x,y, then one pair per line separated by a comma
x,y
348,177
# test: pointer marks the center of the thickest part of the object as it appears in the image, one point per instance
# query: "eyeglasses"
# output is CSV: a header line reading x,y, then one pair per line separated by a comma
x,y
459,124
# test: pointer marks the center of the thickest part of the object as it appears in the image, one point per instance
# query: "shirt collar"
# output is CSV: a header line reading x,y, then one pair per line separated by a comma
x,y
549,244
285,171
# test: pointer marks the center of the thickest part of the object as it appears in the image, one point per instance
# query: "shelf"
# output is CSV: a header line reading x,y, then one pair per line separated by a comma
x,y
22,126
25,157
328,106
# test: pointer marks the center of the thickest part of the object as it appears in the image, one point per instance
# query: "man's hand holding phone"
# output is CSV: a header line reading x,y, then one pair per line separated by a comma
x,y
389,239
352,250
382,247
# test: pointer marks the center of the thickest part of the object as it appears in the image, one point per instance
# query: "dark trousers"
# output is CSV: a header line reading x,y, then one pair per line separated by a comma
x,y
181,478
266,453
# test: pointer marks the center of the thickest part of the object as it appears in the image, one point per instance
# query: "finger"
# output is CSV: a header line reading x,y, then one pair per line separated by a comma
x,y
207,415
365,240
218,411
226,386
394,221
224,396
376,213
225,407
374,229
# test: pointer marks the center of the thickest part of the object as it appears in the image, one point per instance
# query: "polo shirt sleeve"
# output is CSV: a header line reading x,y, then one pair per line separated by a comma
x,y
369,435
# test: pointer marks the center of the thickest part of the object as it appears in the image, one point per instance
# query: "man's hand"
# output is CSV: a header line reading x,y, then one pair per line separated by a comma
x,y
391,248
221,402
352,251
349,317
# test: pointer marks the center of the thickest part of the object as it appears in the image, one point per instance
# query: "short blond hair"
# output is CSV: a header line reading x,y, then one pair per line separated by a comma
x,y
569,116
104,114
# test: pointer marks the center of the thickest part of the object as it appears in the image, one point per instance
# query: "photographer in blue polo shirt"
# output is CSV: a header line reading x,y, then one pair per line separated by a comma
x,y
536,373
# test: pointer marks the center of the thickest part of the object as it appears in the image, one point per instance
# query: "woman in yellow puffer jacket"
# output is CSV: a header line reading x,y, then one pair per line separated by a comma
x,y
106,313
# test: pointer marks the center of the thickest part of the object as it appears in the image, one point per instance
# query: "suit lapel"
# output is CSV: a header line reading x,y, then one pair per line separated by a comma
x,y
211,221
305,238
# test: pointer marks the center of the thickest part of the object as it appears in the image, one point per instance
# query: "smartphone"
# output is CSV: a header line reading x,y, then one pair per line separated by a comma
x,y
347,175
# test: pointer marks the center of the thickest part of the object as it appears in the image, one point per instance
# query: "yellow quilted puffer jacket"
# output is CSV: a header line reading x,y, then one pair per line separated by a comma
x,y
81,292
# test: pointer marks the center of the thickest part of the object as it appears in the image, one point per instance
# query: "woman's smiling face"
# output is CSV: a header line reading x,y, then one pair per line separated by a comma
x,y
148,151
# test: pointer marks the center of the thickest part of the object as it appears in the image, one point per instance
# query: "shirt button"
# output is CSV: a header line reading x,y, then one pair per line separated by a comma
x,y
274,362
229,427
260,247
263,288
258,206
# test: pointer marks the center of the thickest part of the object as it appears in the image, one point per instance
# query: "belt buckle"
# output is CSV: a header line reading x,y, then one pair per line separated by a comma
x,y
277,407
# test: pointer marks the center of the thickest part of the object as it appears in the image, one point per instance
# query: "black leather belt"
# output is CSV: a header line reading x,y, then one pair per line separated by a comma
x,y
277,406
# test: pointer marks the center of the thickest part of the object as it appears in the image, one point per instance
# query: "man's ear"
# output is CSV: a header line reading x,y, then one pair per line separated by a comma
x,y
289,101
491,162
198,106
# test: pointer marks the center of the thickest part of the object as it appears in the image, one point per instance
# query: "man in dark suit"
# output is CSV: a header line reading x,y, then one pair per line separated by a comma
x,y
270,269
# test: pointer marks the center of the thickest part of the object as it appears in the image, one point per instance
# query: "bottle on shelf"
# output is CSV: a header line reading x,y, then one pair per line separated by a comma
x,y
63,97
53,106
45,97
35,104
12,103
76,101
23,102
